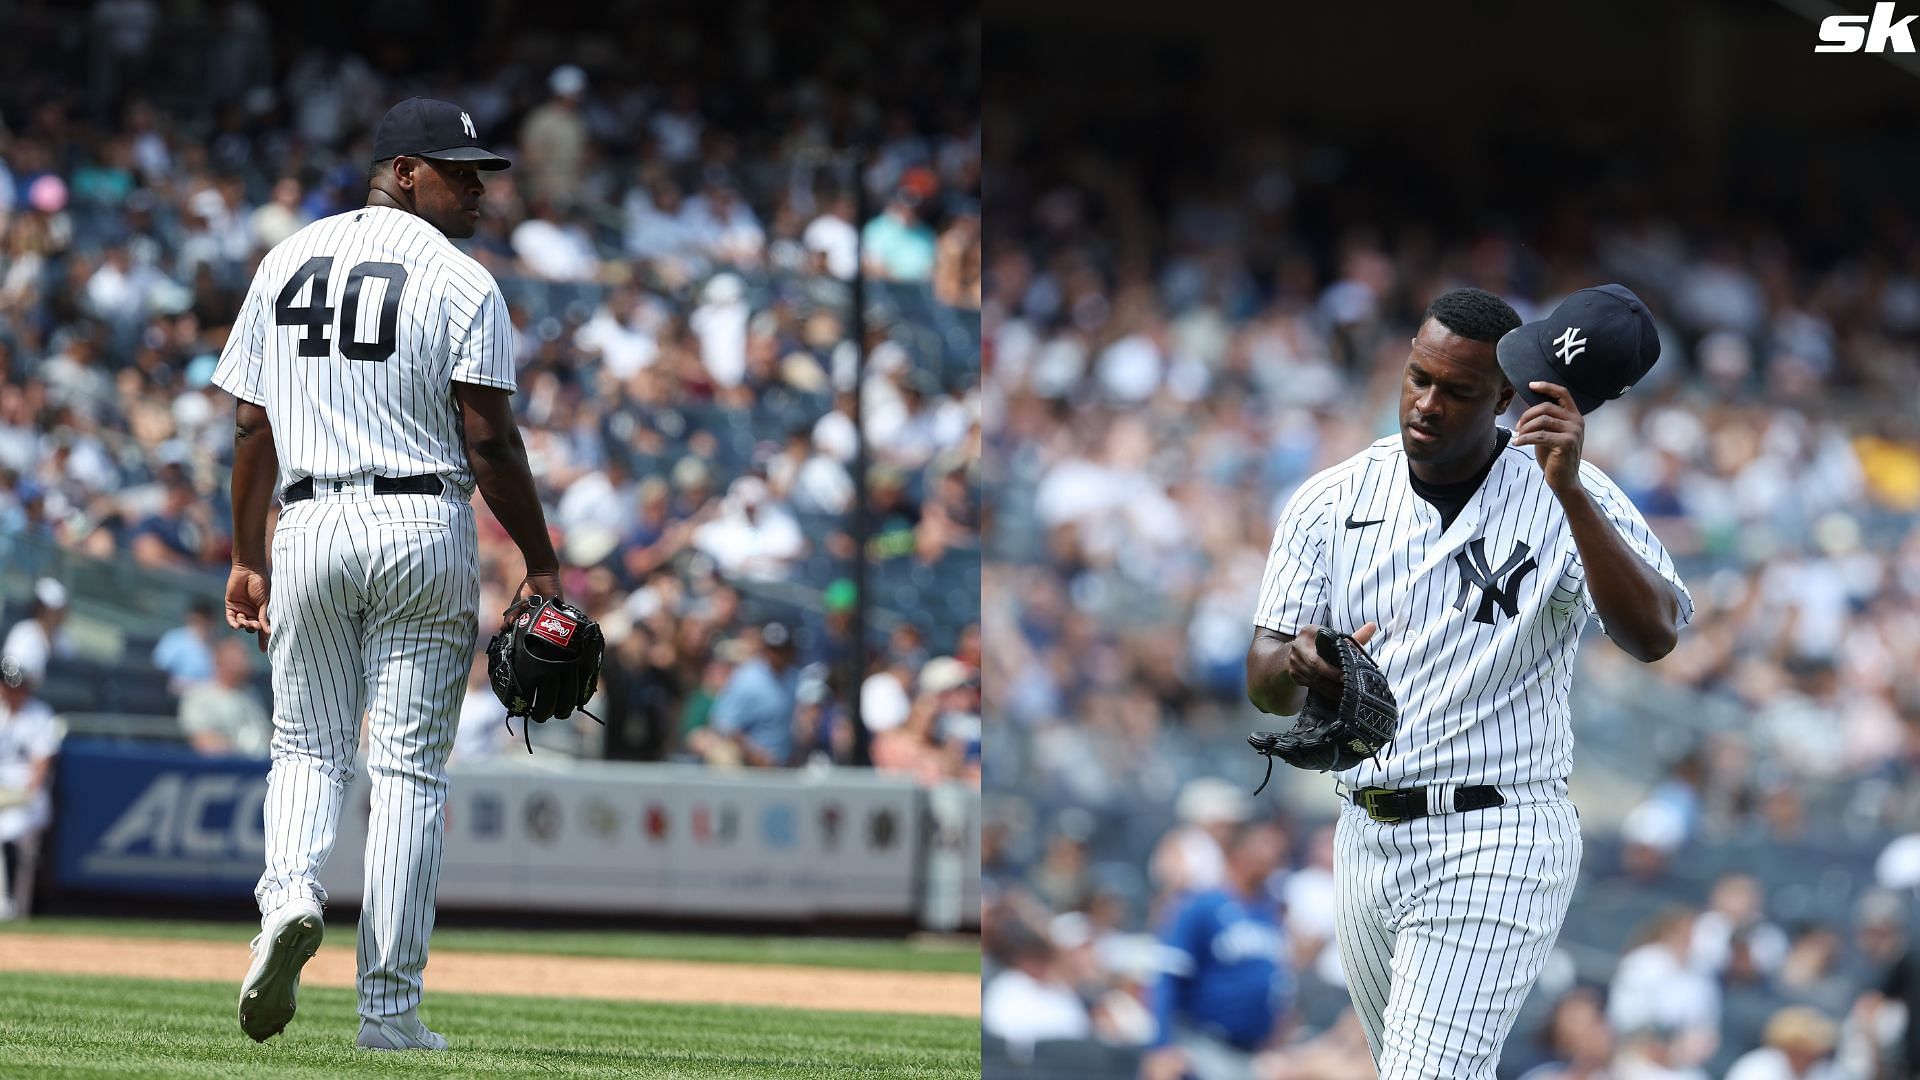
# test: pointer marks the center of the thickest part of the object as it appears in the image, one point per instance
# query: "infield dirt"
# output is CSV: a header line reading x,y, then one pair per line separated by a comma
x,y
919,993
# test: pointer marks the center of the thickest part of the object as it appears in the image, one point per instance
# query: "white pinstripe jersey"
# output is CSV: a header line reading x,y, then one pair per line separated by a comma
x,y
1478,624
352,334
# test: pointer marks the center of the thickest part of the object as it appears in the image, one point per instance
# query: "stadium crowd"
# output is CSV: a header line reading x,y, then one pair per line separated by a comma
x,y
1173,347
675,241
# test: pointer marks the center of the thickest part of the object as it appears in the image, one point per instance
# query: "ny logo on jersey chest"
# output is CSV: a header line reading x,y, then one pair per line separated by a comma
x,y
1500,586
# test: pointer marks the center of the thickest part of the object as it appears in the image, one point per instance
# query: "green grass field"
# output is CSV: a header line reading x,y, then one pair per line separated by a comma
x,y
75,1026
936,954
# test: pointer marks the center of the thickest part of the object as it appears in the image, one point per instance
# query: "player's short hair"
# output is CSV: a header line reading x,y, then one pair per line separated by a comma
x,y
1475,314
385,165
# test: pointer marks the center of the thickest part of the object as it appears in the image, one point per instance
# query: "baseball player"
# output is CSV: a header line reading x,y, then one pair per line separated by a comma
x,y
373,363
1230,987
1467,557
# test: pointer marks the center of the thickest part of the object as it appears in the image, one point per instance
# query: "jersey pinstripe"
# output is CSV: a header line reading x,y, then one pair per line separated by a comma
x,y
351,336
1478,622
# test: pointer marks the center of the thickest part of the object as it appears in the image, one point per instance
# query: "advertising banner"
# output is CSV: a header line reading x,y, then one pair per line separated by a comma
x,y
579,836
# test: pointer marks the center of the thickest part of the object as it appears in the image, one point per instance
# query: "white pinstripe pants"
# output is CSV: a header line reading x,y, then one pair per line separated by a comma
x,y
374,609
1443,925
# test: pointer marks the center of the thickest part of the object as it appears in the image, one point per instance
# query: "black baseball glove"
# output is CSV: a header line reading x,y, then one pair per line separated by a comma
x,y
1336,734
545,661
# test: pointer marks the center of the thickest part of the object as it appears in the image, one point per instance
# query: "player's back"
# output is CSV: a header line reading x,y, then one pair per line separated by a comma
x,y
359,324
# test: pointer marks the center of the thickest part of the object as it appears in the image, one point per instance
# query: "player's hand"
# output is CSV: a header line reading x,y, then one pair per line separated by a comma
x,y
545,584
248,592
1307,669
1555,429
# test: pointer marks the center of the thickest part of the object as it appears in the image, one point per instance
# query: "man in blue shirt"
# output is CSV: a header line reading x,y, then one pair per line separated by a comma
x,y
754,710
1230,986
185,652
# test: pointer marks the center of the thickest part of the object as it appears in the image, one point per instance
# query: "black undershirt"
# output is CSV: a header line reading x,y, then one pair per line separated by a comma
x,y
1449,499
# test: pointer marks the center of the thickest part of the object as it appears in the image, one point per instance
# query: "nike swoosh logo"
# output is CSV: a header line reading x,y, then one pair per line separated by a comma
x,y
1352,524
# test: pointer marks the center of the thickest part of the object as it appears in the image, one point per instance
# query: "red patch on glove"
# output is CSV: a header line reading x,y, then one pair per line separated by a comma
x,y
555,627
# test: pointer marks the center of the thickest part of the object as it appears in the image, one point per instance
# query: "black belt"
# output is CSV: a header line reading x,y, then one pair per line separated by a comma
x,y
424,484
1389,805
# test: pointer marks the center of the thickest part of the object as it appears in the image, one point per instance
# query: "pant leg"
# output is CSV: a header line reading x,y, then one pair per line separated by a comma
x,y
1363,928
20,880
421,634
318,696
1473,936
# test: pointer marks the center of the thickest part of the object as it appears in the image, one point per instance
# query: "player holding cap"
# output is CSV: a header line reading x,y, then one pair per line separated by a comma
x,y
1467,558
373,362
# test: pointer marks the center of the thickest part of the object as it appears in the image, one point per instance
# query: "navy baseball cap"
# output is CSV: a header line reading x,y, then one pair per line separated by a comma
x,y
430,128
1597,344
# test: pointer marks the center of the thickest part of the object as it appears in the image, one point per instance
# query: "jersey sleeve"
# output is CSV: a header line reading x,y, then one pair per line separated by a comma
x,y
1294,589
238,372
1633,528
483,340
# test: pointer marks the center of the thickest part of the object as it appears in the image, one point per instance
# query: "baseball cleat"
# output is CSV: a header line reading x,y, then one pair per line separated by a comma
x,y
398,1033
288,940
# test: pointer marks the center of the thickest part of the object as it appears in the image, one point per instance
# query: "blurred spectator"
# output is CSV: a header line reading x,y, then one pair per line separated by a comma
x,y
831,238
223,716
1575,1041
280,217
1029,1001
1653,1053
753,536
1192,857
1799,1043
1811,970
752,719
185,652
822,726
621,333
1229,988
642,683
657,534
177,535
41,638
677,127
898,245
940,737
553,243
956,266
1736,909
720,322
482,731
724,225
1656,990
553,139
1312,908
29,738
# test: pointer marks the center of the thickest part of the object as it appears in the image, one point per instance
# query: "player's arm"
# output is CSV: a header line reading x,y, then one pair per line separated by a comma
x,y
498,457
1640,608
1282,664
255,464
1281,668
255,468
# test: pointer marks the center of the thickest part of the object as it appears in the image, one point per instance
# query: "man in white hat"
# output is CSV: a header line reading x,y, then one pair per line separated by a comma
x,y
1192,855
39,638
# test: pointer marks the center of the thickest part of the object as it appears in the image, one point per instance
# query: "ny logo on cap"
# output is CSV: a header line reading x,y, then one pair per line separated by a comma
x,y
1571,343
466,124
